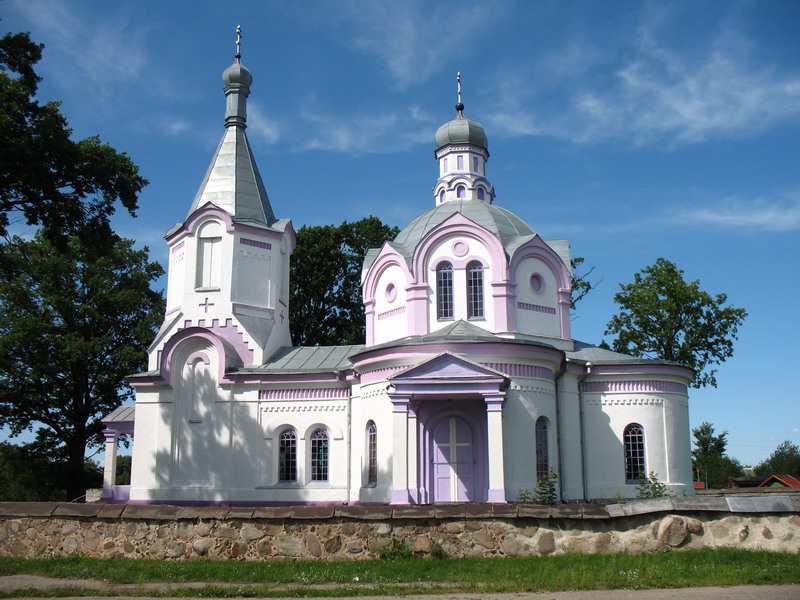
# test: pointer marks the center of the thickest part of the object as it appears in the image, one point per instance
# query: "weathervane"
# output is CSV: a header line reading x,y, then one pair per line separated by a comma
x,y
458,79
238,40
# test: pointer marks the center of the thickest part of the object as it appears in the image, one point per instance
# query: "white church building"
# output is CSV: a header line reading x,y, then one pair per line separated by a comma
x,y
468,388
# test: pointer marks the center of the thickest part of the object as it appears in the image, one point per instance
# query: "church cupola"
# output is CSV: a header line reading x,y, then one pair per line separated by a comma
x,y
462,151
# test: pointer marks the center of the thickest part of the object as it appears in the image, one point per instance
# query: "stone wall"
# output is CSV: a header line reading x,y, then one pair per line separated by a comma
x,y
358,532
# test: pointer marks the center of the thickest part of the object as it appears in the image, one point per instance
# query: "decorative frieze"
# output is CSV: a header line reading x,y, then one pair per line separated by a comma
x,y
517,370
303,393
301,408
650,385
255,243
605,401
391,313
536,307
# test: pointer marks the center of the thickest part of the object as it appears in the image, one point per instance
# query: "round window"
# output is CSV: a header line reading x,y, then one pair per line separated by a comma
x,y
537,283
391,292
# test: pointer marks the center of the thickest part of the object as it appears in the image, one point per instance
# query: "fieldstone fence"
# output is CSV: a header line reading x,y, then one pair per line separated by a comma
x,y
768,522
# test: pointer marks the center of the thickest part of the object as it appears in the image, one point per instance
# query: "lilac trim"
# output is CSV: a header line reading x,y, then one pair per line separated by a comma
x,y
536,307
391,313
177,247
229,332
198,356
166,354
212,210
634,386
255,243
304,393
380,374
399,497
460,248
517,370
644,369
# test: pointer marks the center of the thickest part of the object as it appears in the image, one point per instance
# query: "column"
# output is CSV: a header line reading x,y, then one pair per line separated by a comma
x,y
413,478
496,466
399,449
110,466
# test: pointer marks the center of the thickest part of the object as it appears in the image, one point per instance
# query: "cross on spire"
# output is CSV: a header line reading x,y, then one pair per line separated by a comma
x,y
458,80
238,41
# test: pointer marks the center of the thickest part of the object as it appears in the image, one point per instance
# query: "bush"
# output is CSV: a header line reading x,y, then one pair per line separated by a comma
x,y
651,487
396,549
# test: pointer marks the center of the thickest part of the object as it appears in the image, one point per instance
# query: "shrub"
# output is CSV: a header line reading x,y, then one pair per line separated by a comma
x,y
396,549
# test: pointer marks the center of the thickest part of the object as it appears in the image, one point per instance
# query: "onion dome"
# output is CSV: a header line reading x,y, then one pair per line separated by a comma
x,y
461,131
237,74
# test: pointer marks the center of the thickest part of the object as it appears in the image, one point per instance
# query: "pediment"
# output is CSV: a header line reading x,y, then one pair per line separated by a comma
x,y
448,367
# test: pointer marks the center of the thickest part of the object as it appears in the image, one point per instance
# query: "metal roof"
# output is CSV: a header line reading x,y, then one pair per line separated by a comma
x,y
121,414
308,359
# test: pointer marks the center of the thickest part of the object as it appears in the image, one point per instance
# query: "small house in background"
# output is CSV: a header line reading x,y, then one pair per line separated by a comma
x,y
780,481
743,482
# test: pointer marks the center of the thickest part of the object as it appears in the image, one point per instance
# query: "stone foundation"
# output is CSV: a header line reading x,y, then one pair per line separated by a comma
x,y
359,532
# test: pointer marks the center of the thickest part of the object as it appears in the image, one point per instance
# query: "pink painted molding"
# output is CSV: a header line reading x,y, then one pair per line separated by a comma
x,y
651,385
177,247
516,370
304,393
391,313
255,243
536,307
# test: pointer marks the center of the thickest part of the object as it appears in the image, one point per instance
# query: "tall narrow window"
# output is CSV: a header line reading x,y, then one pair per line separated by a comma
x,y
542,458
287,456
475,164
475,290
441,196
444,165
372,453
209,255
460,163
481,194
633,439
461,192
319,455
444,291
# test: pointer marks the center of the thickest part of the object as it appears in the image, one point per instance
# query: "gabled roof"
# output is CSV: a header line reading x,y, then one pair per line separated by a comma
x,y
786,480
600,356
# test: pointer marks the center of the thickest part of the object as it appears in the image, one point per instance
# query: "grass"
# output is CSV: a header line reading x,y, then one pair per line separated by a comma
x,y
412,576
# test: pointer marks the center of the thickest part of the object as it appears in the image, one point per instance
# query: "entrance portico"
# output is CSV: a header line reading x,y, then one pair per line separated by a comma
x,y
447,432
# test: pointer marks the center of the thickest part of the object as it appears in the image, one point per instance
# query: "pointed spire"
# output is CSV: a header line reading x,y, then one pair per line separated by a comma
x,y
240,191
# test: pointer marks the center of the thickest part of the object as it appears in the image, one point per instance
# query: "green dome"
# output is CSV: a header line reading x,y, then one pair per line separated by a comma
x,y
461,131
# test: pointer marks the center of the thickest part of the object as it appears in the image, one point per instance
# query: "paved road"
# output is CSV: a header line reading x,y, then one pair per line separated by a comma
x,y
753,592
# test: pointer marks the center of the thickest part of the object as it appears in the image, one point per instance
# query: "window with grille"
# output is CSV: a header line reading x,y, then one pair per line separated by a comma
x,y
319,455
633,439
287,456
372,453
475,290
444,291
542,458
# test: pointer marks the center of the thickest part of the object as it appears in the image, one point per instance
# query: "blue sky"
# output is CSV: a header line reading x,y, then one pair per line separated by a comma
x,y
635,129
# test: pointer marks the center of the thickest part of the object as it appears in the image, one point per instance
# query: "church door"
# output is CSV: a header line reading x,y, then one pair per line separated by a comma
x,y
453,460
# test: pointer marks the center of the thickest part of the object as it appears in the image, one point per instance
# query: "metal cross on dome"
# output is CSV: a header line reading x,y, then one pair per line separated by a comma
x,y
238,40
458,80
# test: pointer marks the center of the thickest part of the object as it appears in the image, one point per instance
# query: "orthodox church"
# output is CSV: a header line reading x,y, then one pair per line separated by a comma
x,y
469,386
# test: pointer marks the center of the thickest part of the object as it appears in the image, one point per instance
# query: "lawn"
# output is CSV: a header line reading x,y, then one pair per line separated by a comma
x,y
412,575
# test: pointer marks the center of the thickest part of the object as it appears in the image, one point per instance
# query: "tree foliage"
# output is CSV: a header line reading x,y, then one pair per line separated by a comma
x,y
581,284
785,460
663,316
709,460
71,187
326,305
76,324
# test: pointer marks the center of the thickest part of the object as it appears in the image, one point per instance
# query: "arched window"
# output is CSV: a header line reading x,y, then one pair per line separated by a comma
x,y
444,165
481,194
633,439
319,455
209,255
441,196
542,457
475,290
461,192
372,453
287,456
444,291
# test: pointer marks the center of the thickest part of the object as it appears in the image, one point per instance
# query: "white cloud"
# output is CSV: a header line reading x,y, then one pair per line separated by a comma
x,y
259,126
412,38
115,51
656,93
362,133
771,215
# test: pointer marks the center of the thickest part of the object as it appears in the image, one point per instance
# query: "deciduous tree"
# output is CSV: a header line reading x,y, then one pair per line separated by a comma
x,y
75,324
785,460
663,316
709,459
326,307
46,177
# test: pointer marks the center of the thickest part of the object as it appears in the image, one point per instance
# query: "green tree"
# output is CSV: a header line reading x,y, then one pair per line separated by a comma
x,y
581,284
785,460
709,461
75,324
326,306
663,316
46,178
